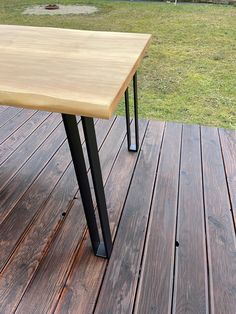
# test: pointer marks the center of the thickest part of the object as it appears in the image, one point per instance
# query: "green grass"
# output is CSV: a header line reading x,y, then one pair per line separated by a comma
x,y
189,73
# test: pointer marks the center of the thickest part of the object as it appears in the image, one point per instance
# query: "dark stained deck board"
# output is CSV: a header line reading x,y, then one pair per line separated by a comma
x,y
85,284
34,169
156,282
48,218
219,225
180,186
21,134
108,149
228,143
48,221
43,294
14,123
191,284
23,153
50,290
31,202
126,256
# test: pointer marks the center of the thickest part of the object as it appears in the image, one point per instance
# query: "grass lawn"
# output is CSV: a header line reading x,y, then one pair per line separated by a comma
x,y
189,74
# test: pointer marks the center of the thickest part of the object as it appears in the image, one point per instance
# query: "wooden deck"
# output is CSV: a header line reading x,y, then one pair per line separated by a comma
x,y
172,209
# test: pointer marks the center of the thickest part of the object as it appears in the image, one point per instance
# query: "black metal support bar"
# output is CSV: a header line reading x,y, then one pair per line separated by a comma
x,y
132,147
81,173
92,149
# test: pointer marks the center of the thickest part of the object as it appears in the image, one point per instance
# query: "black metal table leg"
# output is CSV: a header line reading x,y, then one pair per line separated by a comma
x,y
132,147
92,149
100,249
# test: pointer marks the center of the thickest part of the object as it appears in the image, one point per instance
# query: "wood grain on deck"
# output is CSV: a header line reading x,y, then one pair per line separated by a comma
x,y
171,207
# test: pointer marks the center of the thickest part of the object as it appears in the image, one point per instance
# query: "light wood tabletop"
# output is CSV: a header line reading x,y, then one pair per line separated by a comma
x,y
67,71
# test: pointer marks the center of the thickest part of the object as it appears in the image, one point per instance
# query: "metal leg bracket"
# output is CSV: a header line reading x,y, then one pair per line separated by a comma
x,y
132,147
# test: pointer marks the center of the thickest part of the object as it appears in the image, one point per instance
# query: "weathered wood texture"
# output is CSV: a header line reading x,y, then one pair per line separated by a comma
x,y
172,210
190,292
156,281
220,229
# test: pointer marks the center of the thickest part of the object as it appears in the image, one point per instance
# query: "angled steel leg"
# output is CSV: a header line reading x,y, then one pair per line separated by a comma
x,y
132,147
100,249
92,149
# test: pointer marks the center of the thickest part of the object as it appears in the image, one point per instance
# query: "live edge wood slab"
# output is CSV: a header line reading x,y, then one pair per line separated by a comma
x,y
68,71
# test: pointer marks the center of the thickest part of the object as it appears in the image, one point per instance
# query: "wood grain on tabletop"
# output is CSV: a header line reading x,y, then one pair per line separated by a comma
x,y
70,71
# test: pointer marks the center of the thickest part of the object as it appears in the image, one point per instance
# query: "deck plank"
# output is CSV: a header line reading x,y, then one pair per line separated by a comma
x,y
109,149
22,154
172,209
156,282
26,208
8,114
34,245
191,284
15,188
41,295
3,108
228,143
32,199
51,290
82,287
14,123
122,273
32,248
220,229
39,175
21,134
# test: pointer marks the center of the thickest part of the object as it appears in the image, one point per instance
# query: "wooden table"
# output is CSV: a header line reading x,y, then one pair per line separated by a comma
x,y
75,73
